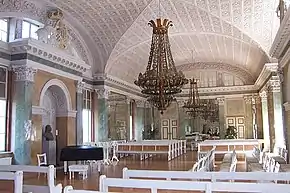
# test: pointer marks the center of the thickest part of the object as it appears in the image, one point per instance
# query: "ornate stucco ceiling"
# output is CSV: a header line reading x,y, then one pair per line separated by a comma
x,y
234,34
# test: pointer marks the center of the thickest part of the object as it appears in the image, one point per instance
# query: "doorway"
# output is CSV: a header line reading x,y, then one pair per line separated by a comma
x,y
169,129
239,124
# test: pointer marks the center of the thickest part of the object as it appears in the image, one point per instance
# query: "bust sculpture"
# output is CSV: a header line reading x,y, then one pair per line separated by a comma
x,y
48,133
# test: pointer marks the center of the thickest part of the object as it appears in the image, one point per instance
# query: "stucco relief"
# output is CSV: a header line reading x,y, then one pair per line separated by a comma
x,y
39,13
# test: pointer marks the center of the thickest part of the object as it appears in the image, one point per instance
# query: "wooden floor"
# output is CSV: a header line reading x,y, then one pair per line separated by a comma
x,y
182,163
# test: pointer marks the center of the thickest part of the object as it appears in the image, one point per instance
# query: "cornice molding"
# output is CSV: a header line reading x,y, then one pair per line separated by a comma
x,y
265,74
46,52
282,37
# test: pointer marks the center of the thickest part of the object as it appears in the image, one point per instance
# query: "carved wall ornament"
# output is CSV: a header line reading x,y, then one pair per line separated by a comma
x,y
221,101
280,74
24,73
275,84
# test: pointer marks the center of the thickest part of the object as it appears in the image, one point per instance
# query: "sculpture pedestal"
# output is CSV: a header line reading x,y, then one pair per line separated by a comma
x,y
49,147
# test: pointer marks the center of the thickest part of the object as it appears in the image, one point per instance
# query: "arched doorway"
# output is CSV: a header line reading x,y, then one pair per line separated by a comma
x,y
56,102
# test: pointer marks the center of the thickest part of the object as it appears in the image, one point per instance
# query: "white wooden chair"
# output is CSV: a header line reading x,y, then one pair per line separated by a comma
x,y
42,161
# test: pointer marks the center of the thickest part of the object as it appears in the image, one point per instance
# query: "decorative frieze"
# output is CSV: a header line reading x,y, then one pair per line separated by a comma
x,y
102,93
286,106
24,73
80,86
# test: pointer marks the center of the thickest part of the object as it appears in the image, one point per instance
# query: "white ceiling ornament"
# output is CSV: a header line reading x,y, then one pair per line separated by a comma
x,y
225,31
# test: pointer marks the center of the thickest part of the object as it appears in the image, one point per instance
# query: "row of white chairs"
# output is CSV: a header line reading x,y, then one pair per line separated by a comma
x,y
206,163
229,163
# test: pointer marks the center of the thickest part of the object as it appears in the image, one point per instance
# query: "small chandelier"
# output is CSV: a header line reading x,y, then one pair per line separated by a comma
x,y
193,106
161,80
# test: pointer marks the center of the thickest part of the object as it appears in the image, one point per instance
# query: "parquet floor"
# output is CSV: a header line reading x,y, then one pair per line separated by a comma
x,y
182,163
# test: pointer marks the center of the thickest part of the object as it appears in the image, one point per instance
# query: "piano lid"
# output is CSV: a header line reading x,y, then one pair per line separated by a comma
x,y
81,153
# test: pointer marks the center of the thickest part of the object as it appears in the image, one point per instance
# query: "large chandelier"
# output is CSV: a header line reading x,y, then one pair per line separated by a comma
x,y
193,106
161,80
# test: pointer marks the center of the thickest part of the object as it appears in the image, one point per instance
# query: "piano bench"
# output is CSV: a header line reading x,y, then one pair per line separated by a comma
x,y
83,169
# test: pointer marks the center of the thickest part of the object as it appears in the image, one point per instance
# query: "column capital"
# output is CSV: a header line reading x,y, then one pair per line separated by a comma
x,y
140,103
128,100
263,95
180,103
80,86
102,93
275,84
256,99
24,73
221,101
286,106
248,99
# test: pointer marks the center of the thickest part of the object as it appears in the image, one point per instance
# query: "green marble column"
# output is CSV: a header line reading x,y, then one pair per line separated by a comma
x,y
265,117
248,117
278,113
139,120
183,120
128,123
222,128
103,105
22,111
79,118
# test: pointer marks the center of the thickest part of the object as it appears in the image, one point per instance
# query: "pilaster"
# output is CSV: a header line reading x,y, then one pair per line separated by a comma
x,y
184,120
265,115
248,117
258,105
22,112
278,126
287,121
102,104
129,132
79,106
221,103
140,119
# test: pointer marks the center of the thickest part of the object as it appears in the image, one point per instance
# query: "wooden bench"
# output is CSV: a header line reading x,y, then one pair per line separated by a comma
x,y
17,177
154,185
208,176
49,171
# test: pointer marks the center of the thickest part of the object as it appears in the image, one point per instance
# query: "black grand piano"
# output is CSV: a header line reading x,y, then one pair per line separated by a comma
x,y
80,153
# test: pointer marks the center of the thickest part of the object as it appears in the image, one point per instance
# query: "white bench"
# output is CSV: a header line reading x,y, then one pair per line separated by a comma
x,y
69,189
147,148
210,176
207,187
17,177
49,171
83,169
229,162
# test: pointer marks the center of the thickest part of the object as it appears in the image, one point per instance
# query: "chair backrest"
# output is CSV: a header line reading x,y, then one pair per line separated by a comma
x,y
41,159
277,167
271,165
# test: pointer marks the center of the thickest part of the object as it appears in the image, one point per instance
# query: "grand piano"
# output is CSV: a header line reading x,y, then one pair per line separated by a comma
x,y
80,153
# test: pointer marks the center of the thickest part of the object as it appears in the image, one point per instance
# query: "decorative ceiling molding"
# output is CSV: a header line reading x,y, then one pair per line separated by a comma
x,y
266,73
243,74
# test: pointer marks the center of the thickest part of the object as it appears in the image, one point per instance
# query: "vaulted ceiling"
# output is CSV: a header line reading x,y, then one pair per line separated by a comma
x,y
232,35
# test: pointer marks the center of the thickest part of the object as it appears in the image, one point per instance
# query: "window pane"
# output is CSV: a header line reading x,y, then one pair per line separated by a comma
x,y
2,108
25,29
2,74
2,142
3,25
2,91
2,125
33,34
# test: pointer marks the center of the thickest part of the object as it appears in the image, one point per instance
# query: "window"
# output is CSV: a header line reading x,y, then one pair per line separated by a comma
x,y
4,30
87,115
29,30
3,81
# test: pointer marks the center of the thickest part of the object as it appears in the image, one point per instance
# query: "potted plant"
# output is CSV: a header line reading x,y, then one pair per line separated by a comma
x,y
231,133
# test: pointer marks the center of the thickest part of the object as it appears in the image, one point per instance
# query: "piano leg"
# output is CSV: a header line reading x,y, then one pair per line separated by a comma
x,y
65,167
